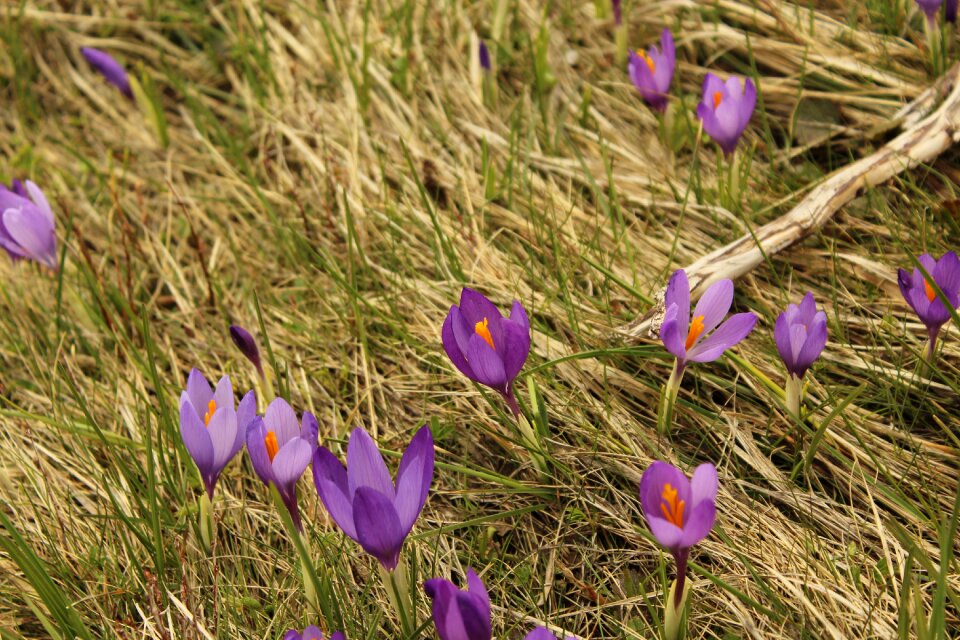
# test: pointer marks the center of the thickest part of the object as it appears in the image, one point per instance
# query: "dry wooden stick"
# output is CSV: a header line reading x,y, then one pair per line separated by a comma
x,y
921,142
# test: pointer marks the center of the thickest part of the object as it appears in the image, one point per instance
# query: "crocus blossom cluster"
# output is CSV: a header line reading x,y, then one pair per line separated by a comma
x,y
652,72
112,71
311,633
726,109
281,448
460,615
485,346
363,500
27,228
922,297
212,426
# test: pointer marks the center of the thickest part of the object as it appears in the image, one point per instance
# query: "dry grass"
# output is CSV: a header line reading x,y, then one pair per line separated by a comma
x,y
337,162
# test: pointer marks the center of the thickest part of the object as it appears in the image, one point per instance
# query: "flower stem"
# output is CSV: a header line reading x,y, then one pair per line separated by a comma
x,y
930,353
398,592
668,398
674,619
207,526
620,37
309,589
794,389
733,185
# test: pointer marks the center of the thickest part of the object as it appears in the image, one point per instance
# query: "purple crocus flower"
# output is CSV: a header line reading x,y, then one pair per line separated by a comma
x,y
485,346
922,297
212,430
281,449
679,512
460,615
950,11
247,345
652,72
542,633
801,334
726,109
109,68
363,500
484,56
930,8
311,633
26,224
690,338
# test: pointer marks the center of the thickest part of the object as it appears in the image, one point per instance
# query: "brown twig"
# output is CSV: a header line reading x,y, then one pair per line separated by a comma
x,y
921,142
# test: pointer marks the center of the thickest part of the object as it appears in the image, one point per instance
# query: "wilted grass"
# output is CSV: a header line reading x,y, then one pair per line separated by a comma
x,y
336,167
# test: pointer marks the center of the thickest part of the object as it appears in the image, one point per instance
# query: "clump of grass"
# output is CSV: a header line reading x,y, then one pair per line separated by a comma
x,y
335,170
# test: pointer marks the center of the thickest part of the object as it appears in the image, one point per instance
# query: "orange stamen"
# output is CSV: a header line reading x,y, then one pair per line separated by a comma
x,y
649,61
271,443
482,329
696,328
717,99
931,294
671,507
211,408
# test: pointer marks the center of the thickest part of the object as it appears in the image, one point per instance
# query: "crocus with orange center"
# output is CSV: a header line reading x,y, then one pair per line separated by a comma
x,y
281,449
27,228
652,72
922,297
726,109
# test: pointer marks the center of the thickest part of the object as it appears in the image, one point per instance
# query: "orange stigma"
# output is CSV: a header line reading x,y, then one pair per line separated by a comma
x,y
696,328
271,443
211,408
649,61
717,99
671,507
931,294
482,329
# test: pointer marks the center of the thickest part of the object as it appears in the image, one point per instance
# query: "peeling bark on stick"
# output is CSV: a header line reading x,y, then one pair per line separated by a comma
x,y
919,143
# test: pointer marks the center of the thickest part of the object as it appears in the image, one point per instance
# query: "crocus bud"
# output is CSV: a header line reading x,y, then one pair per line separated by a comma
x,y
109,68
247,345
484,56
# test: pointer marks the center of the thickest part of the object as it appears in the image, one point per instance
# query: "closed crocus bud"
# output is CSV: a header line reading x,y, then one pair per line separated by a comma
x,y
460,615
27,228
726,109
484,56
652,72
247,345
950,11
110,69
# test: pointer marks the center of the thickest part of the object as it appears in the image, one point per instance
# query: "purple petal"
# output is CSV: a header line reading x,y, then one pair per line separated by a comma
x,y
35,235
452,339
947,275
699,523
198,389
747,104
815,342
735,329
667,534
711,85
195,438
256,432
246,412
282,420
441,592
310,430
515,347
518,314
223,394
486,363
654,479
246,344
365,465
714,305
292,634
312,633
476,588
290,462
781,336
109,68
40,200
670,334
540,633
414,478
678,293
338,635
330,480
703,485
223,435
476,308
378,527
474,617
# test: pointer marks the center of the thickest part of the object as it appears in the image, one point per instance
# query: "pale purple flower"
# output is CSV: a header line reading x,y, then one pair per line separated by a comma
x,y
923,298
281,449
109,68
460,615
679,512
485,346
27,229
212,429
542,633
726,109
693,339
363,500
801,334
311,633
652,72
247,345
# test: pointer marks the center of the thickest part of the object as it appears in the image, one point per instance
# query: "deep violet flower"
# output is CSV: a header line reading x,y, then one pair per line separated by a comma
x,y
485,346
950,11
923,298
542,633
281,449
311,633
27,228
652,72
109,68
460,615
211,426
363,500
617,6
726,109
801,334
930,8
247,345
484,56
679,512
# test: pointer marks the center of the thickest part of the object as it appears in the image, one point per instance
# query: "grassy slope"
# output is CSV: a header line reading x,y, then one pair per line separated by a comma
x,y
336,162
